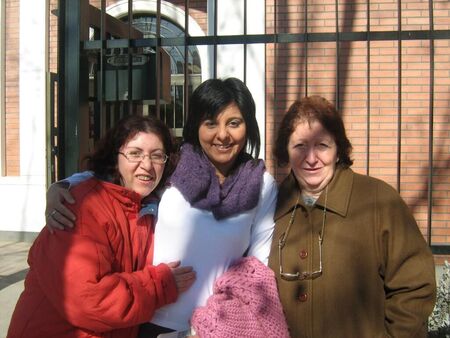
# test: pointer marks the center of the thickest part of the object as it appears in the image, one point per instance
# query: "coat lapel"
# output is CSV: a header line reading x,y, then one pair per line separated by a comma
x,y
339,193
287,196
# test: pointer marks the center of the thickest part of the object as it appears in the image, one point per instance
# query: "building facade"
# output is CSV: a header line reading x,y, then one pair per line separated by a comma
x,y
385,64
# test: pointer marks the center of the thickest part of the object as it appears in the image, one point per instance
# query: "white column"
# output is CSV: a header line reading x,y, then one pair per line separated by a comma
x,y
22,198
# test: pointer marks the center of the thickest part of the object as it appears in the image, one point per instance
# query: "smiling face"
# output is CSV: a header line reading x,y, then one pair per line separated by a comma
x,y
312,156
223,138
142,177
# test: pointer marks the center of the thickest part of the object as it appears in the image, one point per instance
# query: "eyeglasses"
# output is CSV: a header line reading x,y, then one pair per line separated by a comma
x,y
307,275
139,156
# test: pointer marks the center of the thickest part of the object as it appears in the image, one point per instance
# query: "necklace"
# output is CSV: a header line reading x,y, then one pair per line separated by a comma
x,y
324,216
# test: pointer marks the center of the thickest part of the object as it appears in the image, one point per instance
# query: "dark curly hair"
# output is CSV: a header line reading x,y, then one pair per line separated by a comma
x,y
313,108
103,162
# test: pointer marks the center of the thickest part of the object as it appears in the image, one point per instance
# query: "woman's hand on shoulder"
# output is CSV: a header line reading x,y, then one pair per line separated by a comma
x,y
57,215
184,275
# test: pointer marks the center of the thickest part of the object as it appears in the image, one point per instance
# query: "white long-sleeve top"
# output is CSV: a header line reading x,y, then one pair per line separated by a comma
x,y
196,238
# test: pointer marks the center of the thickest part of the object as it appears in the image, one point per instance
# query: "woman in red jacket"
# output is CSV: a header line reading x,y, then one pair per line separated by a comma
x,y
96,280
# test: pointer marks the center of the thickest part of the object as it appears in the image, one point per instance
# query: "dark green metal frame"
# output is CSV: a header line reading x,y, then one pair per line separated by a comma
x,y
74,40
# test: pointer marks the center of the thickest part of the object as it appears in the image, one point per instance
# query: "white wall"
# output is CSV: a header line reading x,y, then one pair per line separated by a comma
x,y
230,58
22,199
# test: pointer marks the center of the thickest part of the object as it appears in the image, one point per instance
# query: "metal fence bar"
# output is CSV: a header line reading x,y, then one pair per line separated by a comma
x,y
337,59
368,89
185,70
305,48
158,59
215,37
399,94
245,45
270,38
431,126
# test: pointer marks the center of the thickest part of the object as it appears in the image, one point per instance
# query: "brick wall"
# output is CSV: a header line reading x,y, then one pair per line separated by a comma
x,y
12,87
53,36
287,80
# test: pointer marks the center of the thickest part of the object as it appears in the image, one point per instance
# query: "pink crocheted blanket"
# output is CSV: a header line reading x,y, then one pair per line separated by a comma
x,y
245,303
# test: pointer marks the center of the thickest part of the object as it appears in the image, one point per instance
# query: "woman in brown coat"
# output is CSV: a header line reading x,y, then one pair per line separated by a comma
x,y
349,258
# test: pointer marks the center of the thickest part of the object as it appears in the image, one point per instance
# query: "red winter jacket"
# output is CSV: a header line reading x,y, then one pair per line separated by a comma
x,y
94,280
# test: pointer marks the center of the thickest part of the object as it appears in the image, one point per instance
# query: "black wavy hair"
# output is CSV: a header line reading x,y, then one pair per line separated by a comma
x,y
210,98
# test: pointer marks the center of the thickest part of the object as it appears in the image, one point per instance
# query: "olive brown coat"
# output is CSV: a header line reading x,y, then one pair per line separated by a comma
x,y
378,275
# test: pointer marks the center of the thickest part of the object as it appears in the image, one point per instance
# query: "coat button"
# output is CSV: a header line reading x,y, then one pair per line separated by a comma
x,y
303,297
303,254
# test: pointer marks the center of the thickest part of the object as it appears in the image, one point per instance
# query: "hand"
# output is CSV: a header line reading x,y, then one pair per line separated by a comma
x,y
57,215
184,275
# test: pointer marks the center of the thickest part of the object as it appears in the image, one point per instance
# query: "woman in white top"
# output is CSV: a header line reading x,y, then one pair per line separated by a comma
x,y
220,201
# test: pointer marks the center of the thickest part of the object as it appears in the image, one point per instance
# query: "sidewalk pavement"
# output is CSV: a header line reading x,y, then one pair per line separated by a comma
x,y
13,269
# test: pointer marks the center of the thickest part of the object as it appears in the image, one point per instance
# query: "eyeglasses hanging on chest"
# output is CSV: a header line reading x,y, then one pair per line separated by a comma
x,y
305,275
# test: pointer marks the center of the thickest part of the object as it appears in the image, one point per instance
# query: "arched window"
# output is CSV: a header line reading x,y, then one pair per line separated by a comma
x,y
147,25
172,112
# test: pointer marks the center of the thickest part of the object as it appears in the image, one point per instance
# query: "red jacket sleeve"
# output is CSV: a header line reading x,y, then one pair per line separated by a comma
x,y
74,272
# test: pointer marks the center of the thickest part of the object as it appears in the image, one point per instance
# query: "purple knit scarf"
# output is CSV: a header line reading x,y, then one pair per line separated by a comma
x,y
195,177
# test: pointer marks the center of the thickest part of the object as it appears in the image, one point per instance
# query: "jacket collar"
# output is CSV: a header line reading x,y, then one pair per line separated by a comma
x,y
123,195
339,192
